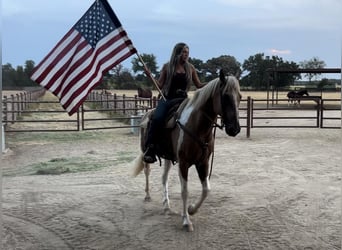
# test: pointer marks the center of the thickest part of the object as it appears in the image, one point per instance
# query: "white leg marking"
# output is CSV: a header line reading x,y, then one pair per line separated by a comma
x,y
147,171
185,215
166,202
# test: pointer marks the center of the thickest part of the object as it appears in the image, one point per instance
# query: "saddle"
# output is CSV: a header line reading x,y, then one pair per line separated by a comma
x,y
164,146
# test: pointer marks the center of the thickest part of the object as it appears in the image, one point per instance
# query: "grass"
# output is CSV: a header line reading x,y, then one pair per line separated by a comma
x,y
66,165
55,137
57,166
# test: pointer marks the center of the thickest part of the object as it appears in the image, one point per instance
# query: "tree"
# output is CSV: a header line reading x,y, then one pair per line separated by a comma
x,y
257,66
19,77
313,63
323,83
118,78
228,63
137,67
8,76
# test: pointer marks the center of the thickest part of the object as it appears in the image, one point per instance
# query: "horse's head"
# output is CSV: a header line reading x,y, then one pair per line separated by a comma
x,y
305,92
230,101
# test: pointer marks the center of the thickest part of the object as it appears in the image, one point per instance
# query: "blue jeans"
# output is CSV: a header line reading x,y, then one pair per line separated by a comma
x,y
159,118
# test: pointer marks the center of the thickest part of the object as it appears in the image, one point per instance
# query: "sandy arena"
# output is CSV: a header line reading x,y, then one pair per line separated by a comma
x,y
279,189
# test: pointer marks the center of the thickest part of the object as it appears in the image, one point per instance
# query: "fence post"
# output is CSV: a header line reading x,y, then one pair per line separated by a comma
x,y
3,143
123,104
154,102
136,105
80,118
12,109
18,105
25,100
252,111
248,132
5,109
321,110
21,102
114,102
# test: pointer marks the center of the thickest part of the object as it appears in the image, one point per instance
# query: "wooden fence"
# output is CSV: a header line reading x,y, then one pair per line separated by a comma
x,y
14,105
109,111
120,104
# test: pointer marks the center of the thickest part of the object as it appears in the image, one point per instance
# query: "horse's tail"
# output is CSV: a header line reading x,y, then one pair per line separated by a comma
x,y
138,165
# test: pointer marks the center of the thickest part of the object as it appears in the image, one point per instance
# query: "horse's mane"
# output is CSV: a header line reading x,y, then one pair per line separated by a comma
x,y
209,90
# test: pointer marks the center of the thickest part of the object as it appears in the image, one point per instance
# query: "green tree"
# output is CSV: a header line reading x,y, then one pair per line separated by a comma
x,y
323,83
257,67
8,76
313,63
226,62
28,69
21,78
138,68
118,78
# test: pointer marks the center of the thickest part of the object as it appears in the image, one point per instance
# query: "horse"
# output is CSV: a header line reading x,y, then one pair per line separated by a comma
x,y
144,93
188,139
106,92
294,96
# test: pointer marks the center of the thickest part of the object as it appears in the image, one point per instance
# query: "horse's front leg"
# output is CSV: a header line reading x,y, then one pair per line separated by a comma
x,y
166,201
147,171
202,170
183,177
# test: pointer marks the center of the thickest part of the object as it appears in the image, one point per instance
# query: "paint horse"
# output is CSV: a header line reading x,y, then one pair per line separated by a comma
x,y
188,138
144,93
294,96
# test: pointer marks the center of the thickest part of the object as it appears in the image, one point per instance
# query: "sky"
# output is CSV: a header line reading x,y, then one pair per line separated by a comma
x,y
295,30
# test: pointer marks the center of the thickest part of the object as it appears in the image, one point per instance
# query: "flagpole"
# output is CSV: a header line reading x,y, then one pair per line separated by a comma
x,y
150,76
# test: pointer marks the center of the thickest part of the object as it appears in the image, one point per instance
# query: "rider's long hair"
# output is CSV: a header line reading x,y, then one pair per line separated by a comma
x,y
171,67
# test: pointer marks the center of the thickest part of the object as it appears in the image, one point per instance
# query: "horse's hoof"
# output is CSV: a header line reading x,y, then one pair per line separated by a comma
x,y
167,211
147,199
191,209
188,227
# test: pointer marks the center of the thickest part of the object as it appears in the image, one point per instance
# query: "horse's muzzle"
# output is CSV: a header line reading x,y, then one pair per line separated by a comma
x,y
233,130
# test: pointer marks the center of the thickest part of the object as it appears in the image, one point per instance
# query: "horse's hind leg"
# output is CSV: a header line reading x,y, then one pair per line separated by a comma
x,y
166,202
147,171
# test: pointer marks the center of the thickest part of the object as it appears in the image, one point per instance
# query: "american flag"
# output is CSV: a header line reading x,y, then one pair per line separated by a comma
x,y
94,45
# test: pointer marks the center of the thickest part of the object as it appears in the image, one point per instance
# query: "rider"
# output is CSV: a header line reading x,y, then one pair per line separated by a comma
x,y
174,81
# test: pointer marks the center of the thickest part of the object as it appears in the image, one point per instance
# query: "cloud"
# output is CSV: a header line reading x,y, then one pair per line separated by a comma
x,y
279,52
277,14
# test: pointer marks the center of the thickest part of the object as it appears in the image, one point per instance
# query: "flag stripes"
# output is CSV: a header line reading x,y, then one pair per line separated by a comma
x,y
74,67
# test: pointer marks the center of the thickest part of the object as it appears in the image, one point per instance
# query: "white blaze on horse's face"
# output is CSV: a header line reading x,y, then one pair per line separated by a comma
x,y
230,101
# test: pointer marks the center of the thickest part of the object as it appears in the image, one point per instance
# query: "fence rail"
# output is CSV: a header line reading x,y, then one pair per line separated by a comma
x,y
106,111
16,104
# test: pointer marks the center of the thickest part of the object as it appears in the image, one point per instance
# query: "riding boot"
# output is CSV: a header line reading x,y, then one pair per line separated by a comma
x,y
150,153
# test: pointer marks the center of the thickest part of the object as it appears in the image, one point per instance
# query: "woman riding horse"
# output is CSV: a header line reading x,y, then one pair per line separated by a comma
x,y
190,140
175,80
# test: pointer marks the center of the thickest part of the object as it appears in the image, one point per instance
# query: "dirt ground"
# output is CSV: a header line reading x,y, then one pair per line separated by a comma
x,y
278,189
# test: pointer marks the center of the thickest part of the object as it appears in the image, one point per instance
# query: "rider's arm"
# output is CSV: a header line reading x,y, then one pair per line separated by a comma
x,y
162,77
195,78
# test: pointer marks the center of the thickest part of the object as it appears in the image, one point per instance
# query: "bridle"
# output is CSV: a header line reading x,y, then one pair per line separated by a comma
x,y
204,145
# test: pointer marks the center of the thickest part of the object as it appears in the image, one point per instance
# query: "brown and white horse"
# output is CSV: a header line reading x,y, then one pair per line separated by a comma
x,y
190,141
